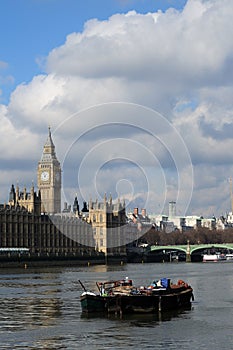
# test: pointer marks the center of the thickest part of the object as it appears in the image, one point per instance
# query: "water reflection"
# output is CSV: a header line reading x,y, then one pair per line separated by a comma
x,y
28,302
108,268
138,330
140,320
40,309
20,313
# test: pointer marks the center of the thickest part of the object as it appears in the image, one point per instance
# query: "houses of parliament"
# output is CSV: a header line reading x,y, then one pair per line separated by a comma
x,y
33,222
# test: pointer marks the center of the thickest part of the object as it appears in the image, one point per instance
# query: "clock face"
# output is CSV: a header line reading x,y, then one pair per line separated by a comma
x,y
45,176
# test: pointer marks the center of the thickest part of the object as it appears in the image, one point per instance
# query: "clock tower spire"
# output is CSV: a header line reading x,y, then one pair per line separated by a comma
x,y
49,178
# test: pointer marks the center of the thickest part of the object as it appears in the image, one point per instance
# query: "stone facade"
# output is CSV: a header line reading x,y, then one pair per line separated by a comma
x,y
108,221
49,178
31,201
44,235
34,221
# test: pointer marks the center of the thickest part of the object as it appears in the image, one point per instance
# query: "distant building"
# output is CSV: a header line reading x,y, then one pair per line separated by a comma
x,y
224,223
172,209
173,222
140,218
193,221
209,223
229,218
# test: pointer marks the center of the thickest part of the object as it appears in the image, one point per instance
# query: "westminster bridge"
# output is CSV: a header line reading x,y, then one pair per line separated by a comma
x,y
190,249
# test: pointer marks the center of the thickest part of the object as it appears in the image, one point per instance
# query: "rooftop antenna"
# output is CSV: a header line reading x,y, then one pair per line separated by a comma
x,y
230,181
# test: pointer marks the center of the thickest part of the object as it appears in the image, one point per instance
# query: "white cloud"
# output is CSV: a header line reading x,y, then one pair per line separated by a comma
x,y
35,104
178,63
188,45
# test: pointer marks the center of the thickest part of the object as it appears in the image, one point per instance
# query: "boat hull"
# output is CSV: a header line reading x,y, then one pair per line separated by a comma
x,y
214,257
229,256
91,303
128,304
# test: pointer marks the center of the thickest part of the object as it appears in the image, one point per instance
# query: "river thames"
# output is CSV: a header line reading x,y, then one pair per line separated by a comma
x,y
40,309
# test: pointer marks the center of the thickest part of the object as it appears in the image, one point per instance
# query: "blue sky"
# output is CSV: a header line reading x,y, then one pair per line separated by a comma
x,y
138,95
31,28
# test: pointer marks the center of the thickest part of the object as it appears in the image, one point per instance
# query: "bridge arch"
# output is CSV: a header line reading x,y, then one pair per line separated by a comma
x,y
181,248
192,248
196,247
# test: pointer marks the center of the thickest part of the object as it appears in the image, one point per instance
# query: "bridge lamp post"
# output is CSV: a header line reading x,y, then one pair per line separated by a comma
x,y
164,254
188,250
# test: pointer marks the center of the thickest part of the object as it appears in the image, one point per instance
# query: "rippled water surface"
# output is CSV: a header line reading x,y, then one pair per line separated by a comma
x,y
40,309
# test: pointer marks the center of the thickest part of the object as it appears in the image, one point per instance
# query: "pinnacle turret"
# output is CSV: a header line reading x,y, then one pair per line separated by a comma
x,y
49,149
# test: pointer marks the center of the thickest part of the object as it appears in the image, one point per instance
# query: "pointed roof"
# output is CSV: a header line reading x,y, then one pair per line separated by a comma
x,y
49,149
49,141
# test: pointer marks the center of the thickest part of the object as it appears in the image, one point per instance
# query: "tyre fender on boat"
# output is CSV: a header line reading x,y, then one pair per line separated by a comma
x,y
182,283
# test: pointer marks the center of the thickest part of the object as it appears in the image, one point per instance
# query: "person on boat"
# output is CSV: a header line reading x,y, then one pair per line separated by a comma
x,y
102,291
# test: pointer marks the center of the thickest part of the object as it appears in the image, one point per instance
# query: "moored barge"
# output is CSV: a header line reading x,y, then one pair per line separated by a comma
x,y
124,298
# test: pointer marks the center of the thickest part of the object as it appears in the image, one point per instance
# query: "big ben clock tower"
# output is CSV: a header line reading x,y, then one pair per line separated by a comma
x,y
49,178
